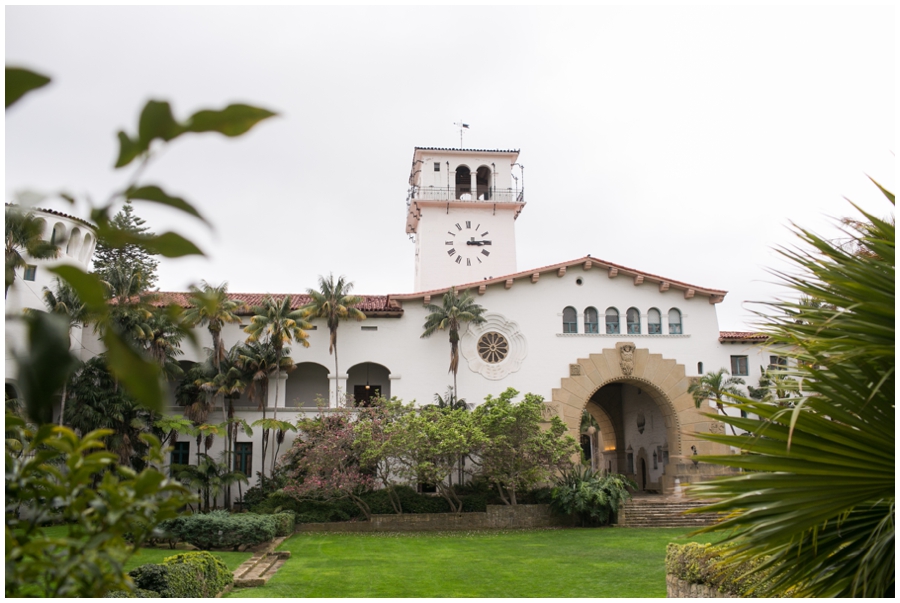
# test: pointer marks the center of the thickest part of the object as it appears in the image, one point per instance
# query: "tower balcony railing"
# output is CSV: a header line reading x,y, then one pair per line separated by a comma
x,y
464,193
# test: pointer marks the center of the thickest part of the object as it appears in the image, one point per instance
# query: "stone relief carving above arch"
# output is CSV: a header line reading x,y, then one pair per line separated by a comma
x,y
626,353
486,361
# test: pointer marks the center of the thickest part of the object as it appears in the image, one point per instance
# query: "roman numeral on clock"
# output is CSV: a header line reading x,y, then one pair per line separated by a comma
x,y
451,252
468,262
485,252
448,242
484,234
452,234
458,259
458,227
468,224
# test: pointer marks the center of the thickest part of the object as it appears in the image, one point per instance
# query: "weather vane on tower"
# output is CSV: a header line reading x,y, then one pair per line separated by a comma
x,y
462,126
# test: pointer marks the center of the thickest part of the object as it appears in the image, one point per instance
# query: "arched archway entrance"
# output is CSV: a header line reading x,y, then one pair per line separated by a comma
x,y
628,389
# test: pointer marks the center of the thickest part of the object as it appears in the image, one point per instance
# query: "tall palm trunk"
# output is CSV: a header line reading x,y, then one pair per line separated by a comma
x,y
275,412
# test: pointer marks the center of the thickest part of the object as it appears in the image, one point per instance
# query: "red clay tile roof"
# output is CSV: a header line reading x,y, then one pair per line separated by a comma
x,y
742,336
372,305
466,150
717,294
55,213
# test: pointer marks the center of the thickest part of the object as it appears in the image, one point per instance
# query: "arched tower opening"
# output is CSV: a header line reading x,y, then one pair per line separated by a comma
x,y
463,183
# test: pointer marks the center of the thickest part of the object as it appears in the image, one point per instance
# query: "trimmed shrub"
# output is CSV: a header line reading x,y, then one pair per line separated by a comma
x,y
284,523
699,564
221,529
199,572
151,576
188,575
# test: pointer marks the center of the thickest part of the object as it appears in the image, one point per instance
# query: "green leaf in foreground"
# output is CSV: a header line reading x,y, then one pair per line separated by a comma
x,y
140,376
46,363
158,195
20,82
233,120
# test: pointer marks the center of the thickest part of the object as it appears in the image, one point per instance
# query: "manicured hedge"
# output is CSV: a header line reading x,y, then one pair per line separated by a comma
x,y
475,498
220,529
697,564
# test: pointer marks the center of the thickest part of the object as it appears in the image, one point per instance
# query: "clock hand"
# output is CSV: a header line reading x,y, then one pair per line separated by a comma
x,y
478,243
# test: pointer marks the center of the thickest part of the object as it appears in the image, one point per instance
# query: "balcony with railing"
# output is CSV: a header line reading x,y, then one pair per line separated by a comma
x,y
464,193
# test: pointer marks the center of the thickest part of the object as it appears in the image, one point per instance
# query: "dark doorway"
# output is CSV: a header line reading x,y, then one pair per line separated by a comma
x,y
463,182
643,474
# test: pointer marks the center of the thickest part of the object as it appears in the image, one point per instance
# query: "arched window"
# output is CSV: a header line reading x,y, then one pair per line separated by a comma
x,y
633,319
591,322
74,246
570,320
464,183
612,321
654,322
58,234
675,322
699,368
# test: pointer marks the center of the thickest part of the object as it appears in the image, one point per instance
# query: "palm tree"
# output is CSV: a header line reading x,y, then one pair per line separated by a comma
x,y
278,324
161,338
816,500
716,386
455,311
24,235
65,302
334,303
211,306
257,361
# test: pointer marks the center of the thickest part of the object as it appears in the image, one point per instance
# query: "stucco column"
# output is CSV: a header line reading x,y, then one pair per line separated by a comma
x,y
473,175
336,388
282,393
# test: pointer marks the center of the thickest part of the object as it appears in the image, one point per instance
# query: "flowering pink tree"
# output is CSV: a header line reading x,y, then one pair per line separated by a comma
x,y
322,464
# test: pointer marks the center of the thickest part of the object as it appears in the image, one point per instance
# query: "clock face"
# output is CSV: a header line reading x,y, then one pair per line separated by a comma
x,y
468,243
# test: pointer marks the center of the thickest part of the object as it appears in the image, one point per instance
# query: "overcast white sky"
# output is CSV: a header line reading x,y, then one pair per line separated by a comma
x,y
679,141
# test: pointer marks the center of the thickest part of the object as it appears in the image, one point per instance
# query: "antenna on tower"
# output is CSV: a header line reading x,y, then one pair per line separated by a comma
x,y
462,126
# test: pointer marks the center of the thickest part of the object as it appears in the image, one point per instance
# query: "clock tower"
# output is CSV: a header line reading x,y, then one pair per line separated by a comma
x,y
461,209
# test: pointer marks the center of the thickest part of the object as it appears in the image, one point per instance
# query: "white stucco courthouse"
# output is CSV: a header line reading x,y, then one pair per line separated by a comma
x,y
584,334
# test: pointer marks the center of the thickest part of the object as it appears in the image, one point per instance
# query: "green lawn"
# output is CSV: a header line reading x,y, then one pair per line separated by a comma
x,y
608,562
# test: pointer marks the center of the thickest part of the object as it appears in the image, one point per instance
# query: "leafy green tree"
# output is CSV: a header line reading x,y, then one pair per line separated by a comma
x,y
517,453
717,387
160,336
426,443
455,311
818,493
107,511
275,322
24,238
97,402
112,260
373,443
333,302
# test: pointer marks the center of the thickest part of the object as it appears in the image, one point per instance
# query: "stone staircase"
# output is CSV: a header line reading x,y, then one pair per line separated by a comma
x,y
257,570
663,512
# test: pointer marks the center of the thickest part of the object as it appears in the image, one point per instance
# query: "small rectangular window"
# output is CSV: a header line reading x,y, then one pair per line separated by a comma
x,y
779,362
243,458
739,366
30,273
437,166
369,328
181,453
